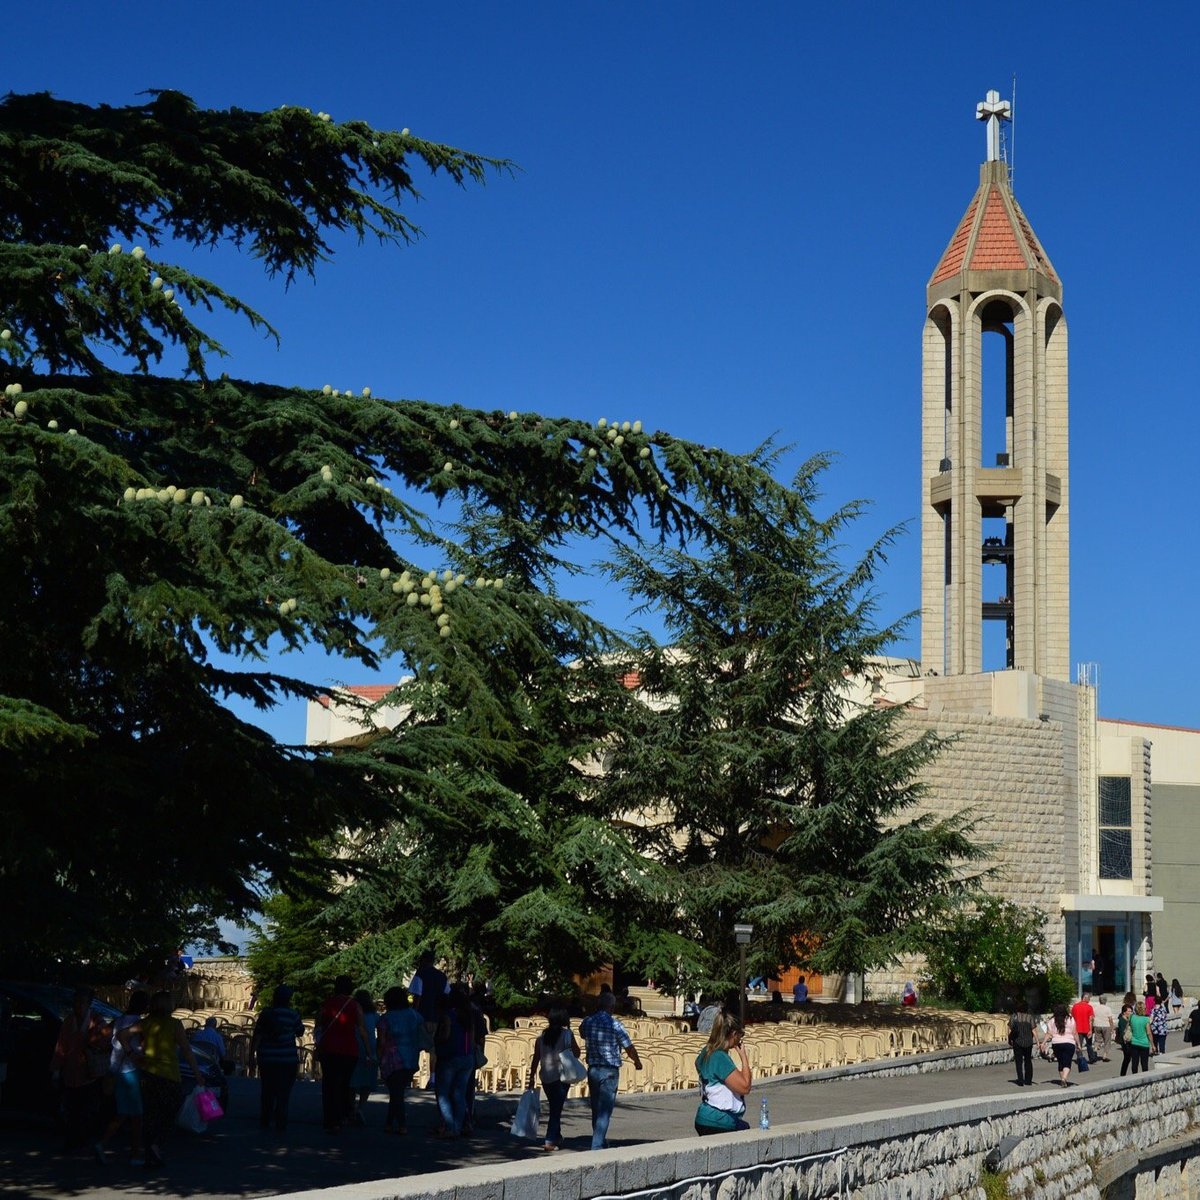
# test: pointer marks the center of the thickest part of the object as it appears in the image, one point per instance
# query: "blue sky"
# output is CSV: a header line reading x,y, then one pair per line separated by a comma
x,y
723,225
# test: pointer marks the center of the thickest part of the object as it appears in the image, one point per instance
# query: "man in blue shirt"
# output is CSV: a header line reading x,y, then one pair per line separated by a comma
x,y
605,1038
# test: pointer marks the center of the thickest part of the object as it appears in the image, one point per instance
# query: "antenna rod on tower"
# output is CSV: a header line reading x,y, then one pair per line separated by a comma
x,y
1012,141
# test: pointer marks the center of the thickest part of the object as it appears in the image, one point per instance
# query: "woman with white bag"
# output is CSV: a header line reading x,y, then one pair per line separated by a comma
x,y
556,1056
724,1082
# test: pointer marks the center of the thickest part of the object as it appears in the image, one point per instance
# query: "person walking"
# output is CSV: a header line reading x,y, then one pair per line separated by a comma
x,y
1149,995
1123,1035
1020,1038
1176,998
1063,1042
1082,1014
1158,1028
724,1082
339,1026
606,1038
454,1047
1162,991
79,1064
366,1069
274,1047
124,1062
547,1060
163,1041
1139,1038
400,1038
1103,1027
427,988
1191,1033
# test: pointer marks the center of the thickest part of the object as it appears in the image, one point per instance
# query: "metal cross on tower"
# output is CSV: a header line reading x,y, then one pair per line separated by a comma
x,y
993,110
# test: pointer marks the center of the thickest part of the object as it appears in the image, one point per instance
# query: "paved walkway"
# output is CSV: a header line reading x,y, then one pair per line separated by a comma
x,y
236,1159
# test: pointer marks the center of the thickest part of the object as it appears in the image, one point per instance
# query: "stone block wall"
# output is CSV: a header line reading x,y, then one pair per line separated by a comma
x,y
1132,1138
1009,772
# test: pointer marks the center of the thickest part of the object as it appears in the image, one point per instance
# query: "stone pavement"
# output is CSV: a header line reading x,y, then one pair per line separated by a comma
x,y
236,1159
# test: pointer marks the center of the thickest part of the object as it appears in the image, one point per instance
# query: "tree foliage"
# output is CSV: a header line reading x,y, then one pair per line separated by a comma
x,y
163,538
985,948
757,779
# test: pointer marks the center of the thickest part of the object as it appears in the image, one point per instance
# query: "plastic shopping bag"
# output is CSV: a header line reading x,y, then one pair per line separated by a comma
x,y
207,1104
570,1069
529,1112
189,1117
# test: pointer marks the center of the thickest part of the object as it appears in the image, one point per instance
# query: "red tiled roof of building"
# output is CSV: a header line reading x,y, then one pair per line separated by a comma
x,y
1043,263
996,245
631,680
371,692
952,260
998,239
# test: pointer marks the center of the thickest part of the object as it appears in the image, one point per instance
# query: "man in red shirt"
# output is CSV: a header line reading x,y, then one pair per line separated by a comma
x,y
1083,1014
339,1025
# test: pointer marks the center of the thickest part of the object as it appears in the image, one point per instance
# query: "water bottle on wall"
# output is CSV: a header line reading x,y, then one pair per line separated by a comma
x,y
764,1115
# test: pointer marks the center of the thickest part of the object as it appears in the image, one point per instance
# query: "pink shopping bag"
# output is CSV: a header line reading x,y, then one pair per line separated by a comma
x,y
207,1105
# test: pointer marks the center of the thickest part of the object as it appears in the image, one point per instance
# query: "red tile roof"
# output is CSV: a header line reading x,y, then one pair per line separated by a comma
x,y
371,692
998,239
996,245
952,260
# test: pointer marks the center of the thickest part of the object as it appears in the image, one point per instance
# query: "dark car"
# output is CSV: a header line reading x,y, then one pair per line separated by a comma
x,y
31,1014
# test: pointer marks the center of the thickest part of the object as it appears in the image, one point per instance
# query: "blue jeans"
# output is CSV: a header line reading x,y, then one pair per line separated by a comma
x,y
556,1093
602,1094
453,1075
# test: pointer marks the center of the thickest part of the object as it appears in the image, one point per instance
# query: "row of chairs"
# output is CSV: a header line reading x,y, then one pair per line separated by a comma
x,y
669,1058
668,1049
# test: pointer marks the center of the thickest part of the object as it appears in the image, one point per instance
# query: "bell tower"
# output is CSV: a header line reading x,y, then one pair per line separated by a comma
x,y
994,514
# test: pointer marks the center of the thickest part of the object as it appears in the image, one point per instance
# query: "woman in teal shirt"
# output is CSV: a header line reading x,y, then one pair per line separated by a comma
x,y
1139,1037
724,1084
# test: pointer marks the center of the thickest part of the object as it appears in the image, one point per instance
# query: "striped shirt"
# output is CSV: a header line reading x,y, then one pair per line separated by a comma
x,y
275,1034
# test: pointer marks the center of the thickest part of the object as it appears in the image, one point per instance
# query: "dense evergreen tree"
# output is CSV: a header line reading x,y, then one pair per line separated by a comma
x,y
146,522
770,794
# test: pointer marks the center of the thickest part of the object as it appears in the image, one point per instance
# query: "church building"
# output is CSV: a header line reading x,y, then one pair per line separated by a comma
x,y
1095,822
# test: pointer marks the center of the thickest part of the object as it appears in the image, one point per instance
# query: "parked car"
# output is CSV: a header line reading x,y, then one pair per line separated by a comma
x,y
31,1015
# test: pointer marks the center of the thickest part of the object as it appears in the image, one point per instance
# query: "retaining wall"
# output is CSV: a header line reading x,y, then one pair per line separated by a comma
x,y
1128,1139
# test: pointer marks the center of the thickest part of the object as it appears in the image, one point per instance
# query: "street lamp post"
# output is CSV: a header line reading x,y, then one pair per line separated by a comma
x,y
742,934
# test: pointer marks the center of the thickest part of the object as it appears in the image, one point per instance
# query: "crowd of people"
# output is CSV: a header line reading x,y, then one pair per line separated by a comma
x,y
1088,1031
138,1057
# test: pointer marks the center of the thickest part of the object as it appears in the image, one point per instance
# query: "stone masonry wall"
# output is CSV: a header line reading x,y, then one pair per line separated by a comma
x,y
1009,772
1133,1137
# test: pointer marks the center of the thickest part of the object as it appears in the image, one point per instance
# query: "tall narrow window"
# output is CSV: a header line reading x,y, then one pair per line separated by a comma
x,y
1116,832
996,385
996,582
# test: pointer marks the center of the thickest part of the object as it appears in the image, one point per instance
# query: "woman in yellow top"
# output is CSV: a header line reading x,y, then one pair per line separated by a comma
x,y
163,1041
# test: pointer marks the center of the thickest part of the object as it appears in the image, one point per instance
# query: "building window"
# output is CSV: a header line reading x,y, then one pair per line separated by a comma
x,y
1116,833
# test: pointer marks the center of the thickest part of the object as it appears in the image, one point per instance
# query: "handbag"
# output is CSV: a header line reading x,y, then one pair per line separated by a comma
x,y
207,1104
528,1114
1081,1062
189,1117
570,1069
